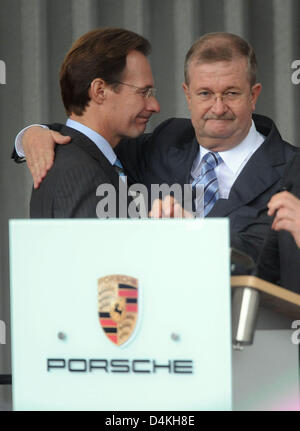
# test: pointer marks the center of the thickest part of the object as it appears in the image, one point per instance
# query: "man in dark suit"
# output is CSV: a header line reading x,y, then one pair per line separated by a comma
x,y
279,261
248,152
168,156
107,90
221,91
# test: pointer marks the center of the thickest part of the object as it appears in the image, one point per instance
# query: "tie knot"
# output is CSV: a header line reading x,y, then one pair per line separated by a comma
x,y
119,168
118,164
213,159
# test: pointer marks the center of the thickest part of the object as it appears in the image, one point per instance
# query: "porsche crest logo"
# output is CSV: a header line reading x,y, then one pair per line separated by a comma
x,y
118,306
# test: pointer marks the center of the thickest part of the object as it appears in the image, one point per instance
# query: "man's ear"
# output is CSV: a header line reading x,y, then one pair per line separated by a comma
x,y
97,90
255,92
187,93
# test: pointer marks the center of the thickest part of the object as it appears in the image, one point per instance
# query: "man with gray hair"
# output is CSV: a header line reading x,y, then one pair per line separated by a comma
x,y
236,156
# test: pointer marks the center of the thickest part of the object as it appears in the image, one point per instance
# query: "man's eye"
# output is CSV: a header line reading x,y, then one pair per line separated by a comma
x,y
232,93
144,91
204,93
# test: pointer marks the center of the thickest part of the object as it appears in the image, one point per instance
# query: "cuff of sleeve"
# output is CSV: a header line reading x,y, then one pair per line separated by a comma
x,y
19,137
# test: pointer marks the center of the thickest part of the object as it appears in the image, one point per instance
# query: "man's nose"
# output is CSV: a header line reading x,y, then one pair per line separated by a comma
x,y
219,107
152,104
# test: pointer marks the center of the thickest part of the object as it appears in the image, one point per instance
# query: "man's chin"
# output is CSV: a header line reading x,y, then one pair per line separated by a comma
x,y
135,133
140,129
222,135
219,129
217,140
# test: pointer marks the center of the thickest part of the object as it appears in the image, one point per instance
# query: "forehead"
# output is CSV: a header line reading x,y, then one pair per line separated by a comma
x,y
229,73
138,70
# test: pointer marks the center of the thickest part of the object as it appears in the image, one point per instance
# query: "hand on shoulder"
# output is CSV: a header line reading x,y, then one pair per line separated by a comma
x,y
39,144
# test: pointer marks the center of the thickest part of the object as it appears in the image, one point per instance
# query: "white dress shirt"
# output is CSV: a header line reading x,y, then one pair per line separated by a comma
x,y
234,161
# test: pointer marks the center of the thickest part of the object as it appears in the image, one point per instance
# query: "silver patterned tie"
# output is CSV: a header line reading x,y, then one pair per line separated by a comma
x,y
207,178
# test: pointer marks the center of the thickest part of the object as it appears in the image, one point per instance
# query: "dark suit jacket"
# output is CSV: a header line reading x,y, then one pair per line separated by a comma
x,y
279,261
69,189
167,155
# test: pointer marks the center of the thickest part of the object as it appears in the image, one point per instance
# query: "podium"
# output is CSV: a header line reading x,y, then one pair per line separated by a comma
x,y
173,278
266,334
73,281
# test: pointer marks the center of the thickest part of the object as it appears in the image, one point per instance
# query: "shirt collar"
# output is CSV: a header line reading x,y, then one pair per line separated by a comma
x,y
98,140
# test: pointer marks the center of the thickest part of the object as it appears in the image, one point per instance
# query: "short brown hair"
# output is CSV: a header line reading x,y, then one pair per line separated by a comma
x,y
100,53
221,46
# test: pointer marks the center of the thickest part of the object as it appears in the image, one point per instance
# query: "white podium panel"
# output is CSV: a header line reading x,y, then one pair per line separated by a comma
x,y
178,354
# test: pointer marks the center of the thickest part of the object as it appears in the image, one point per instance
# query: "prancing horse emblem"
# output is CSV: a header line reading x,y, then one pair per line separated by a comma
x,y
118,306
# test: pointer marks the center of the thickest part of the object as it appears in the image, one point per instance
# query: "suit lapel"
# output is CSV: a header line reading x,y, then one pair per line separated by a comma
x,y
91,148
256,177
263,170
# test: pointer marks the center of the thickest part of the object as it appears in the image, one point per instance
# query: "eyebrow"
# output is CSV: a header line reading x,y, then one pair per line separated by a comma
x,y
226,89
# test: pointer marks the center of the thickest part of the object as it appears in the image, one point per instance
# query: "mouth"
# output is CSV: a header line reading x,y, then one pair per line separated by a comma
x,y
212,118
143,120
219,119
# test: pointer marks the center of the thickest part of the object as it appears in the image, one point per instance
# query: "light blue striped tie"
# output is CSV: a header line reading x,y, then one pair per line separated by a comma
x,y
119,168
208,179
